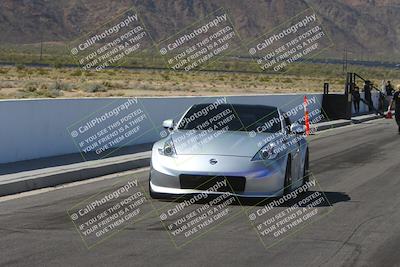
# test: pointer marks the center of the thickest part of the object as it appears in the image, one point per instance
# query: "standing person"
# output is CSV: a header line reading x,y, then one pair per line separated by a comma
x,y
389,89
368,95
396,102
356,99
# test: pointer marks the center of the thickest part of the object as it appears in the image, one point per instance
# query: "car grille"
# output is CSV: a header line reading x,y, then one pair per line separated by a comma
x,y
204,182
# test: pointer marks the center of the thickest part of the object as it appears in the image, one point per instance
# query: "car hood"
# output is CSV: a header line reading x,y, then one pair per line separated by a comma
x,y
233,143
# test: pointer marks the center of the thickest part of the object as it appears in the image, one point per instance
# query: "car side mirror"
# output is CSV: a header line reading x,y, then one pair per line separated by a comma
x,y
168,124
297,128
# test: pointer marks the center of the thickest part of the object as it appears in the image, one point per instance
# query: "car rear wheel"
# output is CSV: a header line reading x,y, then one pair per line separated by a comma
x,y
288,177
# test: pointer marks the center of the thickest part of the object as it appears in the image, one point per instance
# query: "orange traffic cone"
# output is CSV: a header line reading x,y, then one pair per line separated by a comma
x,y
306,115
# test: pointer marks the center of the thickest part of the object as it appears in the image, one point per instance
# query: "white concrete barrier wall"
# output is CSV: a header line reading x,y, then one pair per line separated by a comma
x,y
32,129
364,107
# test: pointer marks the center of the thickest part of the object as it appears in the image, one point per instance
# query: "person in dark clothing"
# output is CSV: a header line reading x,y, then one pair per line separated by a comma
x,y
382,99
389,89
368,95
356,99
396,102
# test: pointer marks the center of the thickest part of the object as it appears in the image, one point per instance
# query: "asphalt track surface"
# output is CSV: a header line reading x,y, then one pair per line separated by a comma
x,y
357,168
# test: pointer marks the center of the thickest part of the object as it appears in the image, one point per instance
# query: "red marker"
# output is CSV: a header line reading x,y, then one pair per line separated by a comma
x,y
306,116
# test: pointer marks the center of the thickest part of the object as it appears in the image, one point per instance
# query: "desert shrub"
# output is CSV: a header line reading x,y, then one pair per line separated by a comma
x,y
94,88
264,79
166,76
57,65
76,73
20,67
89,73
31,86
42,71
107,84
33,92
53,93
287,80
111,73
60,86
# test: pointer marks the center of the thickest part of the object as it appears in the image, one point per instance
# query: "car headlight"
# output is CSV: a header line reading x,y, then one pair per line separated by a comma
x,y
168,149
268,152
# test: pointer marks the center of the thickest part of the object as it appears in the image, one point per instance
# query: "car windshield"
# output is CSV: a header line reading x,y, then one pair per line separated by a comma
x,y
232,118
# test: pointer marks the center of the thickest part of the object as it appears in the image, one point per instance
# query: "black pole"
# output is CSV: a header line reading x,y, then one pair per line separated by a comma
x,y
41,46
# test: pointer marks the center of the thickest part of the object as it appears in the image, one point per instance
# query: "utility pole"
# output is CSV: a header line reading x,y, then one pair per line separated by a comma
x,y
41,27
41,45
343,62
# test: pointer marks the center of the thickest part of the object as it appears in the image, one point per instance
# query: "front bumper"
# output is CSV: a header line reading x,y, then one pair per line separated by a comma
x,y
262,178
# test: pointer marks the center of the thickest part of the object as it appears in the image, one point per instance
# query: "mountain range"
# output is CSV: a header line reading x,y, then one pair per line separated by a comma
x,y
366,28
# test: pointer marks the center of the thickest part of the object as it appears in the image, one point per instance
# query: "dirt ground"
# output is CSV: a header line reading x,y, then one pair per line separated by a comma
x,y
26,82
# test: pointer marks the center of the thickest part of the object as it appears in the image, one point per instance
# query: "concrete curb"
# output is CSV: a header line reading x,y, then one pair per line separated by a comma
x,y
49,177
366,118
341,123
330,125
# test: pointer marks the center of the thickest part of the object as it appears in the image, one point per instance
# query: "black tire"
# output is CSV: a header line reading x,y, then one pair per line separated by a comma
x,y
306,172
288,177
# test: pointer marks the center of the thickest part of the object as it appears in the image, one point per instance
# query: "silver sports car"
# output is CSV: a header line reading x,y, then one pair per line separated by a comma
x,y
247,150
